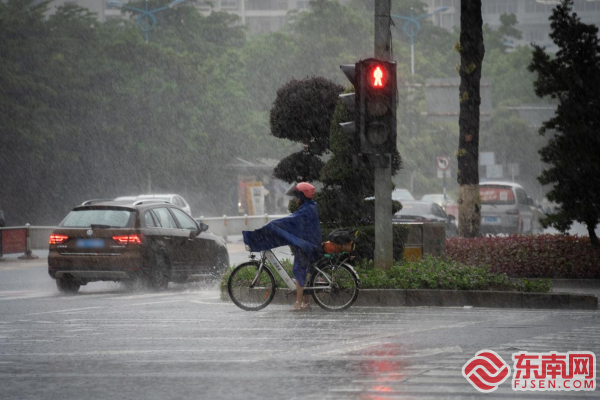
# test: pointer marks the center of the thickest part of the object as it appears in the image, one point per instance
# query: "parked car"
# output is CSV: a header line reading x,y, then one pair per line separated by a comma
x,y
398,195
149,240
401,195
505,208
448,205
171,198
421,211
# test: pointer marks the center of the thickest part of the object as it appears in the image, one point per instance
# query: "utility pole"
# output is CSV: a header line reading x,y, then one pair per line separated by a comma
x,y
382,162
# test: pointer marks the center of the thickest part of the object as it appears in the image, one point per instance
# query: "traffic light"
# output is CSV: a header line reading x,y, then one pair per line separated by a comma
x,y
377,105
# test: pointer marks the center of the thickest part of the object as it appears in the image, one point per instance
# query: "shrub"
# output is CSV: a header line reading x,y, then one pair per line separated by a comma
x,y
537,256
442,273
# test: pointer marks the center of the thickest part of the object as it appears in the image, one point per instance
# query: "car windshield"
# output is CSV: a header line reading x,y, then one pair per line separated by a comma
x,y
113,218
415,209
496,195
402,194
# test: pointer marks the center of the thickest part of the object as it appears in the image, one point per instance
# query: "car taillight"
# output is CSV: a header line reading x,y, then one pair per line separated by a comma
x,y
57,239
134,239
512,212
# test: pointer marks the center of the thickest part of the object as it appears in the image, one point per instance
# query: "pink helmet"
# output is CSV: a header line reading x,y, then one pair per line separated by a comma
x,y
305,188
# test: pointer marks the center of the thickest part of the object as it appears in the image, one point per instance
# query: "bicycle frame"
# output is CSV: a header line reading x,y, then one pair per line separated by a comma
x,y
268,255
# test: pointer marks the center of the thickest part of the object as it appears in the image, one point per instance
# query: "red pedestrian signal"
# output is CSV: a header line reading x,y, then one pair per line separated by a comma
x,y
377,77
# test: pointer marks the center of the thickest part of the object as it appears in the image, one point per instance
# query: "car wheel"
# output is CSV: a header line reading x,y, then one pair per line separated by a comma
x,y
160,272
67,285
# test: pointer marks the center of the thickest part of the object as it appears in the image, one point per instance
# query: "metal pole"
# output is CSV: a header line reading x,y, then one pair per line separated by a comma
x,y
444,185
412,56
147,30
28,253
382,163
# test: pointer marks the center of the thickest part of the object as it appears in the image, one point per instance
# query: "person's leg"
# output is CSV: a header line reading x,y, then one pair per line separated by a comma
x,y
299,292
300,270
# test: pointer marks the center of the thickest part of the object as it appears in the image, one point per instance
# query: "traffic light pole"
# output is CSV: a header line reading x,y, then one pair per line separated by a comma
x,y
382,164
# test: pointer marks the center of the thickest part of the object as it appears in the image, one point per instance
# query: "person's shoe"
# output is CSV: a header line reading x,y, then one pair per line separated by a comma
x,y
297,306
305,306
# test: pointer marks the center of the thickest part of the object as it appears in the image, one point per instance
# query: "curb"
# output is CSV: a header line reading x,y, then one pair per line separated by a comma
x,y
560,283
458,298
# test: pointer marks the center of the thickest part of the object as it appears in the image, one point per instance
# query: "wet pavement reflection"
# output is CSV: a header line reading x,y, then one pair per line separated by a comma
x,y
187,343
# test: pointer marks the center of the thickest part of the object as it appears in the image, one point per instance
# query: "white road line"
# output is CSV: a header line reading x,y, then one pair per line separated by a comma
x,y
156,302
61,311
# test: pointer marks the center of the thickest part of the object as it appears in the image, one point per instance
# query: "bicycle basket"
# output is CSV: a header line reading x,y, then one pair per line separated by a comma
x,y
342,236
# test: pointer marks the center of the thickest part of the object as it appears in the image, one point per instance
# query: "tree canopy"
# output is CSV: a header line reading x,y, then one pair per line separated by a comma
x,y
572,77
92,110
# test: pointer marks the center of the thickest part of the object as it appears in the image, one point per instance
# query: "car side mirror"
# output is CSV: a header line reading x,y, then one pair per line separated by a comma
x,y
203,227
530,201
451,217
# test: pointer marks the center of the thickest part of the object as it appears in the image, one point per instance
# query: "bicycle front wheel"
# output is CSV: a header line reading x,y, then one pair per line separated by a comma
x,y
336,287
244,294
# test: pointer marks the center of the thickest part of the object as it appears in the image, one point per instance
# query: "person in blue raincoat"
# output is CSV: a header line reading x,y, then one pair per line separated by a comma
x,y
301,230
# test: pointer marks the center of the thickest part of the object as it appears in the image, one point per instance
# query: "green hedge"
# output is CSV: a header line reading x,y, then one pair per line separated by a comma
x,y
443,273
365,241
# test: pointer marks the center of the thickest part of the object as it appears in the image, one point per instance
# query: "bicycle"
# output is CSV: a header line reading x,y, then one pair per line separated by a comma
x,y
331,281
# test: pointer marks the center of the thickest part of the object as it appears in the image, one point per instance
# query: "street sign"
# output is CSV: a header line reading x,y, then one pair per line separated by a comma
x,y
441,174
443,163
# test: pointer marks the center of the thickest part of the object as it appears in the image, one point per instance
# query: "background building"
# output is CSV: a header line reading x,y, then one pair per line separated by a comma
x,y
260,16
532,16
99,7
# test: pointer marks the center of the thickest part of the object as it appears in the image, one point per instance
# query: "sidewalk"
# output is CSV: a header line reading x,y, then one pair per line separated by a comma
x,y
579,286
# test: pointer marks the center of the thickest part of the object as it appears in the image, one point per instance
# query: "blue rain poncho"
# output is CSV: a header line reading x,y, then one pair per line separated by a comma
x,y
301,230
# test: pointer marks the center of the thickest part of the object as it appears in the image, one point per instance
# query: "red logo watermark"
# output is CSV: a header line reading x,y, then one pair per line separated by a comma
x,y
486,371
575,370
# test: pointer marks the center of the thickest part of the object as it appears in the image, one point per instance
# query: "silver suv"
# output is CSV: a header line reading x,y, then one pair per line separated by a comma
x,y
505,208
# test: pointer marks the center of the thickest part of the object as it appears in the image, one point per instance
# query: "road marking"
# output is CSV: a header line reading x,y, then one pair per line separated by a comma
x,y
62,311
156,302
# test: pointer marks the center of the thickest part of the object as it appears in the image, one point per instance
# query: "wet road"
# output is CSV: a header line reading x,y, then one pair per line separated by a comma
x,y
187,343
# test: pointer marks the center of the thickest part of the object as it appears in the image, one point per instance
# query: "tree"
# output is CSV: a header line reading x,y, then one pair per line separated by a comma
x,y
90,110
471,56
347,182
302,113
572,77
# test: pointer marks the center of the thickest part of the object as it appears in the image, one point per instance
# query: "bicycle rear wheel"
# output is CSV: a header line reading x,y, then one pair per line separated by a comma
x,y
336,287
246,296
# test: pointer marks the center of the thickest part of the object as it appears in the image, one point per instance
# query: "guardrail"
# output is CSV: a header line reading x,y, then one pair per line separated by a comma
x,y
228,226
